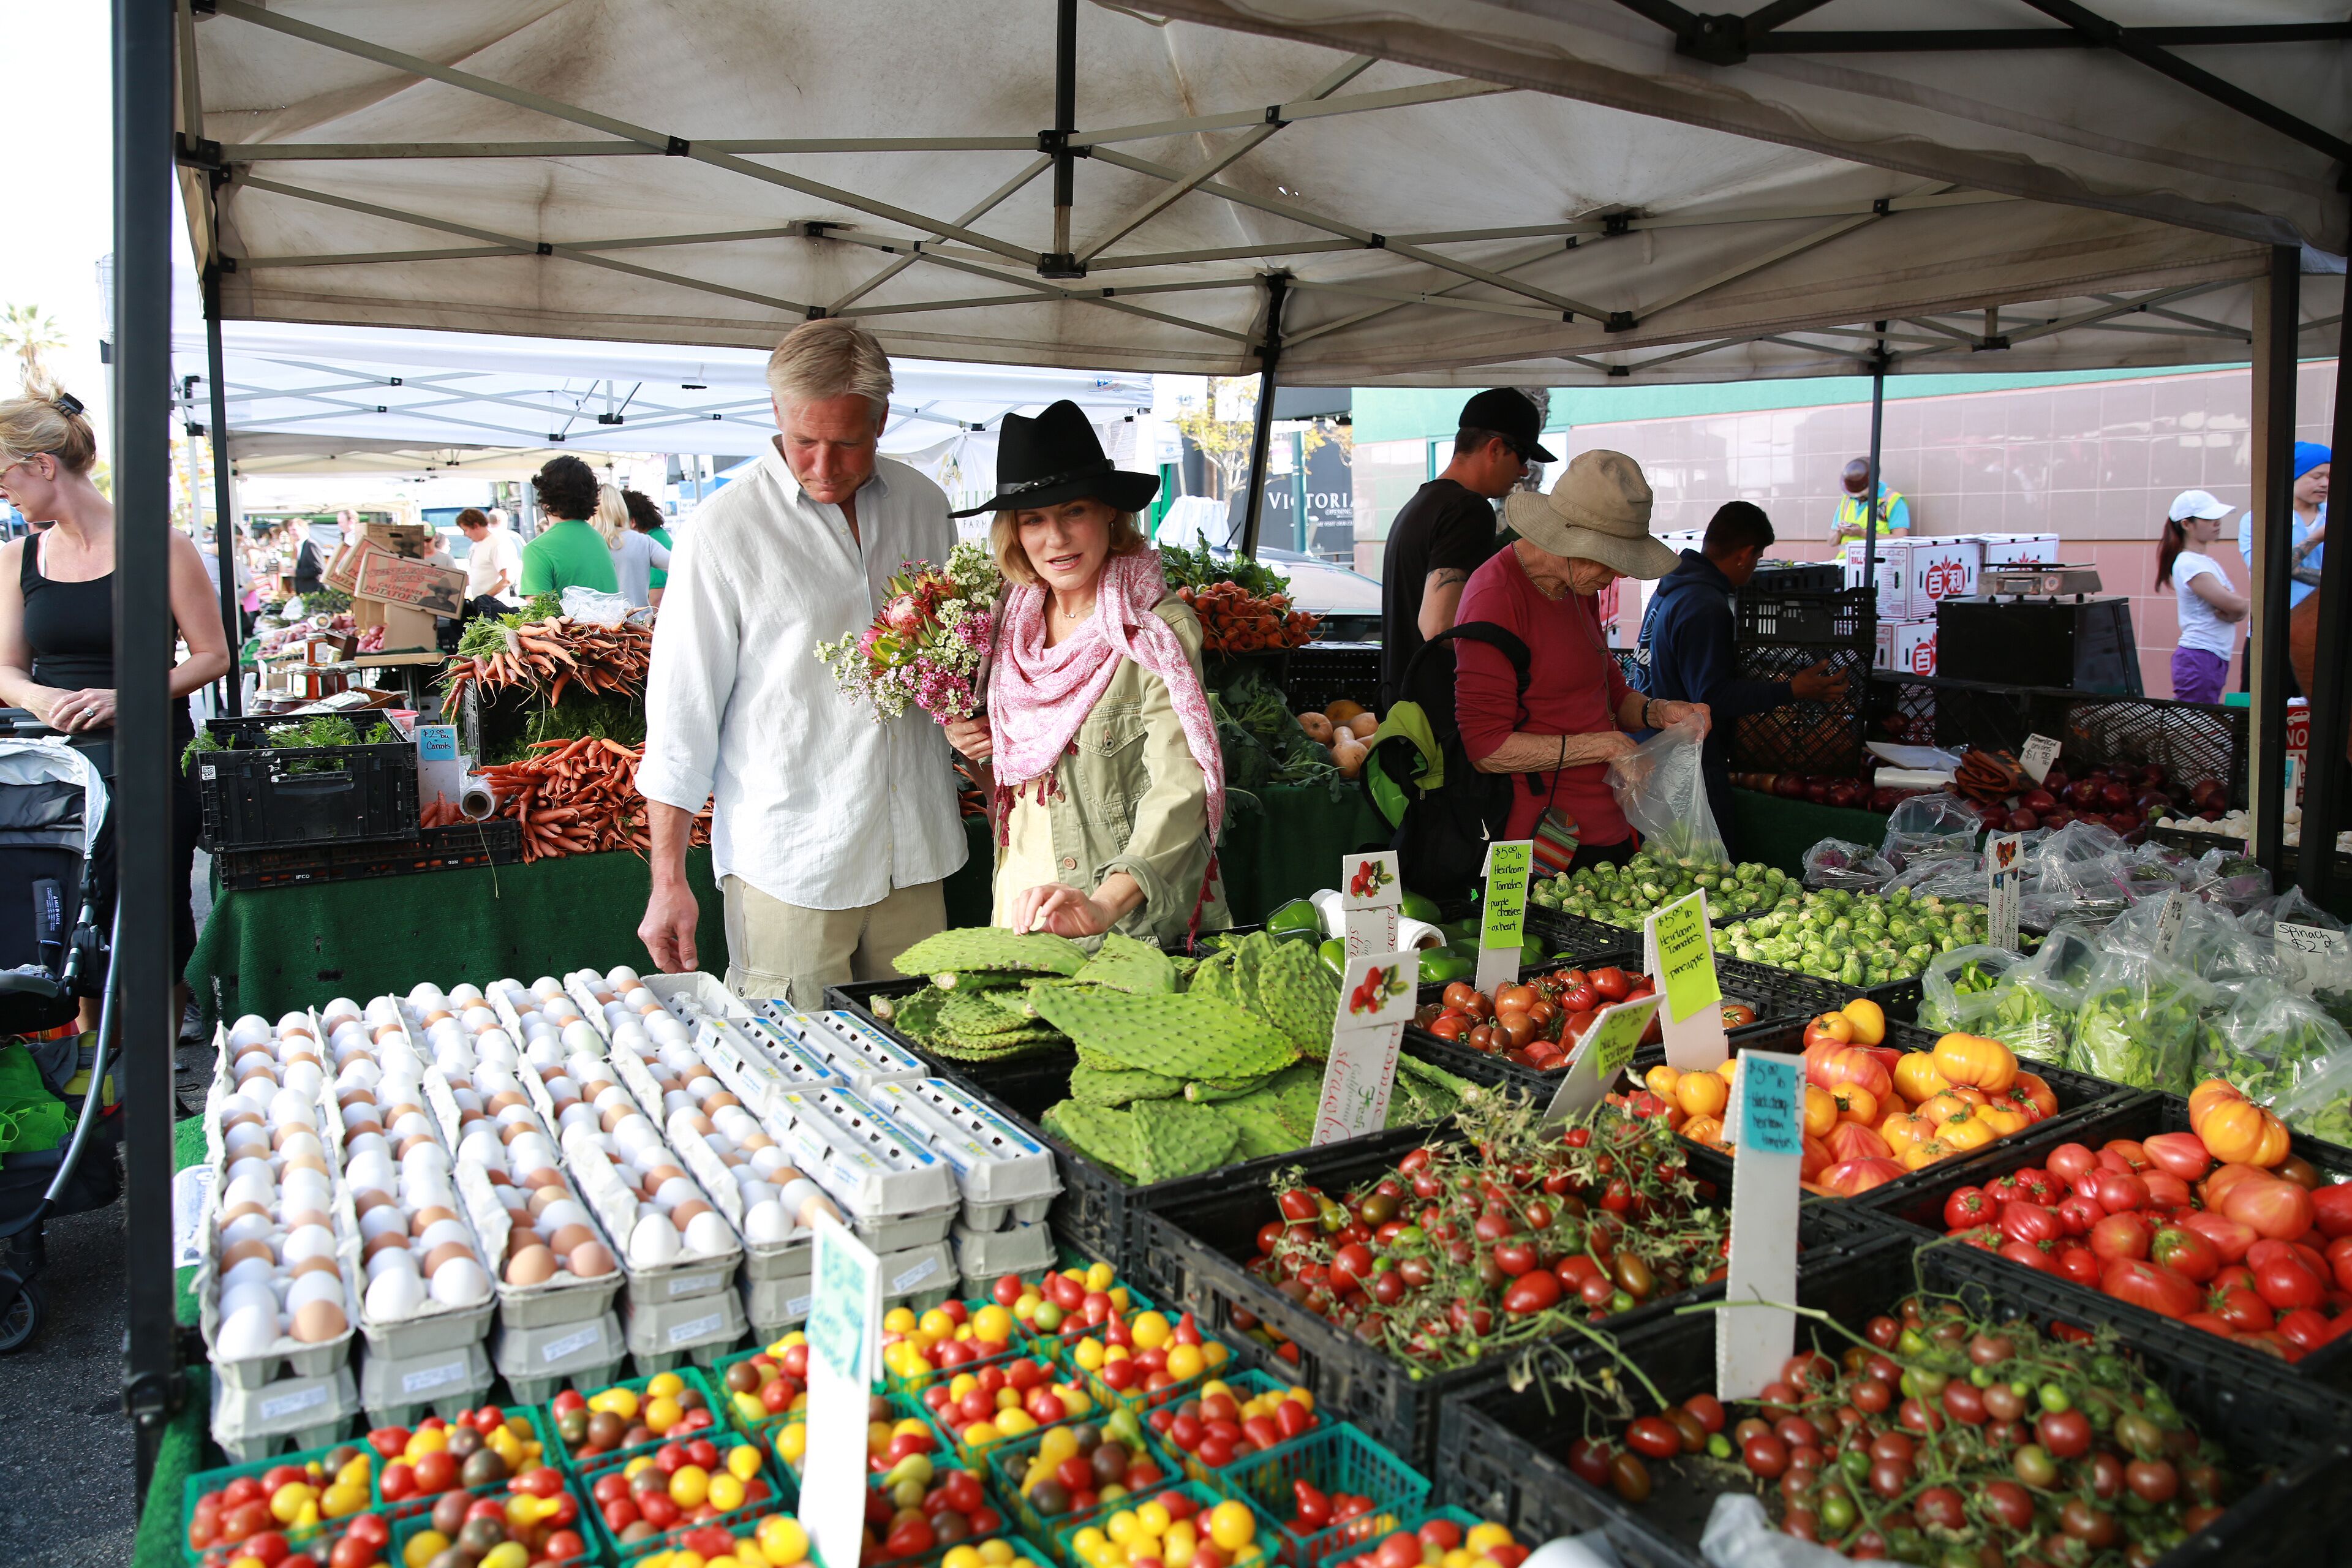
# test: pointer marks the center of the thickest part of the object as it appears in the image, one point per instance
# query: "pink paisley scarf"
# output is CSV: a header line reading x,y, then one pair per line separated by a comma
x,y
1039,696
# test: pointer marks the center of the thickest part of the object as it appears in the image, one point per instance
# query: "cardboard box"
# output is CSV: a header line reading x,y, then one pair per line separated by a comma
x,y
405,630
402,580
2019,549
1938,569
1894,559
1906,647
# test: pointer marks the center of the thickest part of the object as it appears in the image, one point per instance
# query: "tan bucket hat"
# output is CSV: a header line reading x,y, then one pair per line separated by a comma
x,y
1599,510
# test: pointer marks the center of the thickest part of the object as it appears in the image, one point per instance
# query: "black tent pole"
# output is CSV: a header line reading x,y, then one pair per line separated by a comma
x,y
1277,286
143,638
1871,485
224,523
2331,687
2274,528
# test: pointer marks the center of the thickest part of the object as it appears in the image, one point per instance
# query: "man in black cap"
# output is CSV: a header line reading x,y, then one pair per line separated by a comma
x,y
1447,530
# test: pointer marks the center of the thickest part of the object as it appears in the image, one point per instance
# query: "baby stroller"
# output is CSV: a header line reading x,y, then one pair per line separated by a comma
x,y
53,801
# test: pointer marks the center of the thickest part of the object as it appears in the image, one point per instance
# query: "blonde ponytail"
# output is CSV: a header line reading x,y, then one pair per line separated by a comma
x,y
47,421
612,518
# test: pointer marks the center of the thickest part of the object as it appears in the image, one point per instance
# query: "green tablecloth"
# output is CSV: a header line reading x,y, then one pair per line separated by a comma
x,y
1778,832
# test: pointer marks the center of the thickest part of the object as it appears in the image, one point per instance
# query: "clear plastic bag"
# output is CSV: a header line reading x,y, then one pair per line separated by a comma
x,y
1838,863
2075,841
2228,879
2327,977
1662,790
1936,823
1958,988
2032,1010
2318,1102
599,609
1740,1534
2087,891
2137,1025
1958,877
2267,1039
2210,942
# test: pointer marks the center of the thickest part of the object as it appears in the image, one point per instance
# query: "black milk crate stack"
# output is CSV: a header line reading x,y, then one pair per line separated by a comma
x,y
1196,1240
1502,1454
1321,673
2190,741
2135,1115
268,797
1770,614
1798,578
497,842
1804,736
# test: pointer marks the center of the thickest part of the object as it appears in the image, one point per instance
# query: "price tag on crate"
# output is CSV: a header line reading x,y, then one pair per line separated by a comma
x,y
1600,1054
1680,950
2034,761
1753,1341
1376,1000
1503,928
845,1327
1370,893
2004,886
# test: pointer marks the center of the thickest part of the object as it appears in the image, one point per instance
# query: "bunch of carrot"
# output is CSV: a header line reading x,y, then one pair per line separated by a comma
x,y
577,797
1233,620
546,657
440,812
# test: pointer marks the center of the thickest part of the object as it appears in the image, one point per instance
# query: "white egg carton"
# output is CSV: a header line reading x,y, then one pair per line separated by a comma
x,y
874,1171
618,1209
567,1299
285,1415
594,1038
918,1277
538,1361
400,1391
989,1254
759,1063
1006,1176
841,1043
773,1306
698,996
761,1259
661,1334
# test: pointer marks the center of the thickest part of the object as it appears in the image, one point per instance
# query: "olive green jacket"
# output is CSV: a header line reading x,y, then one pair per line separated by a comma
x,y
1129,797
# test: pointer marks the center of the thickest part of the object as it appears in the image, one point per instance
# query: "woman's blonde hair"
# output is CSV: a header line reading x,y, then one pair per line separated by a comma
x,y
1004,544
47,421
612,518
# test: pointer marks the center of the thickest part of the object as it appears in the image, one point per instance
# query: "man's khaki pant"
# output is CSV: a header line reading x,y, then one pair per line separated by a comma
x,y
776,949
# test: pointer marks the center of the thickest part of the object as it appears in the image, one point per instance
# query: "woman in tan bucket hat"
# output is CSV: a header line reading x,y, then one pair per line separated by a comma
x,y
1591,530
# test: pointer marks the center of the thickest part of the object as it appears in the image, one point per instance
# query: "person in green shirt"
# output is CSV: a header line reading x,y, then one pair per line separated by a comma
x,y
647,519
567,553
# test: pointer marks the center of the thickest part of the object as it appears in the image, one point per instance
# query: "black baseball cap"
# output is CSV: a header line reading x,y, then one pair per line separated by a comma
x,y
1511,416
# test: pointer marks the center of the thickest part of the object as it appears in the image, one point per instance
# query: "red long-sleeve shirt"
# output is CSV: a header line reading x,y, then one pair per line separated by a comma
x,y
1574,687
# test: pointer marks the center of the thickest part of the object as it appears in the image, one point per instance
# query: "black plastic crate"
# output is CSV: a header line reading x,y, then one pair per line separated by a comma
x,y
2190,741
1772,613
497,842
1920,1205
1799,576
1502,1454
1804,736
271,797
1900,998
1321,673
1196,1241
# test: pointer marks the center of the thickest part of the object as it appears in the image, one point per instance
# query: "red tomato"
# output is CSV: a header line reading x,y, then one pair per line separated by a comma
x,y
2080,1264
2185,1252
2164,1190
2339,1260
1580,998
2032,1257
2180,1154
2070,1161
1612,982
1652,1435
2331,1209
2305,1329
2276,1208
2120,1192
2287,1282
2238,1306
2078,1212
1967,1207
2120,1237
2152,1286
2028,1223
2229,1238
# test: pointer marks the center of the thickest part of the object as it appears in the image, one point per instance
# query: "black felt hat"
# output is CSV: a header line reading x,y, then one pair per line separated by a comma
x,y
1054,457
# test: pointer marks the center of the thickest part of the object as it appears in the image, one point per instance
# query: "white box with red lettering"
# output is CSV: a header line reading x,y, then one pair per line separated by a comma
x,y
2019,549
1935,570
1906,647
1894,556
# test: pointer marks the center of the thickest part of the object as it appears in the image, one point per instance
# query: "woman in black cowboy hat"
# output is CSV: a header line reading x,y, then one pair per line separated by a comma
x,y
1110,783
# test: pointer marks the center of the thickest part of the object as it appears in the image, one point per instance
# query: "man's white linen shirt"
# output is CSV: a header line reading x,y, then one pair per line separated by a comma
x,y
817,804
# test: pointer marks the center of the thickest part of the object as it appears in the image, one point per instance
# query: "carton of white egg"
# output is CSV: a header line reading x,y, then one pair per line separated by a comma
x,y
640,1187
541,1234
275,1287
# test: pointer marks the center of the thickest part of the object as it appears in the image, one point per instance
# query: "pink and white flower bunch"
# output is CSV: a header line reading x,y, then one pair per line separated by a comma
x,y
928,643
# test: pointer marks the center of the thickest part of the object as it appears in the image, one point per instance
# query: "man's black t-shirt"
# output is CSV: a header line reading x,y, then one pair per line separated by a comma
x,y
1446,526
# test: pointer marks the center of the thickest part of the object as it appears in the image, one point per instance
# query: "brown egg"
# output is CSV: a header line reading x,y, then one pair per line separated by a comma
x,y
245,1075
700,1122
369,1200
686,1211
384,1032
467,1117
301,1218
562,1100
443,1254
534,1265
278,1138
656,1175
505,1098
384,1241
243,1119
405,1108
241,1210
543,1196
318,1322
759,1140
590,1260
303,1159
613,1115
542,1177
307,1053
253,1246
322,1264
364,1120
569,1237
721,1098
428,1216
438,1015
498,1178
523,1236
413,1141
350,1096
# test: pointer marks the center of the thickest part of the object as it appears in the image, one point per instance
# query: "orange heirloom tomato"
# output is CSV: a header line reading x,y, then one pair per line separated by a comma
x,y
2033,1091
2003,1123
1856,1104
1702,1095
1919,1156
1915,1078
1969,1134
1820,1111
1948,1108
1707,1130
2205,1096
1974,1059
1853,1065
1661,1080
2271,1152
1905,1130
2233,1131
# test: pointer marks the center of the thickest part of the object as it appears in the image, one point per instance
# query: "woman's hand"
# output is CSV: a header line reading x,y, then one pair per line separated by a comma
x,y
1063,909
973,738
1668,712
75,712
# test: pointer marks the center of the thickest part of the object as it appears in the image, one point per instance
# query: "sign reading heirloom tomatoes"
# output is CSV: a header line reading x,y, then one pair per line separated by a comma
x,y
1503,930
1600,1054
1370,893
1376,1001
1679,954
1765,1118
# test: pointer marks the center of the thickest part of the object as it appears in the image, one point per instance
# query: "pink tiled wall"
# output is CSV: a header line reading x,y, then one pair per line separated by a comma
x,y
2096,464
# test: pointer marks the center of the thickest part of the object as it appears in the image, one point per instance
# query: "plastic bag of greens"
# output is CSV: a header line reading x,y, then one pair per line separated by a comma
x,y
2326,976
2088,892
2031,1009
1957,988
2138,1024
2229,879
2268,1040
1660,788
1943,876
1838,863
2210,941
2318,1102
1936,823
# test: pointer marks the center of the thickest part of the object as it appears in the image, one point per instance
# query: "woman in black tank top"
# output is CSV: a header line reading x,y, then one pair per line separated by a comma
x,y
56,616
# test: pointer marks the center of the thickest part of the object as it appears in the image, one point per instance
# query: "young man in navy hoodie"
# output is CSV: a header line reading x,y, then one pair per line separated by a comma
x,y
1687,636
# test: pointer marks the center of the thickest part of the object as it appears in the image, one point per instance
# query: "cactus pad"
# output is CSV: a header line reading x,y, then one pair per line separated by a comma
x,y
1120,1086
1176,1138
991,947
1124,963
1187,1036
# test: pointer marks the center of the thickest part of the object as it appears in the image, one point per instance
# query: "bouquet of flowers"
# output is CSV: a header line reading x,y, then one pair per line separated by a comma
x,y
928,643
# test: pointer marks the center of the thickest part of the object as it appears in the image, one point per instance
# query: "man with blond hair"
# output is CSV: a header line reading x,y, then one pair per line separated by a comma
x,y
831,833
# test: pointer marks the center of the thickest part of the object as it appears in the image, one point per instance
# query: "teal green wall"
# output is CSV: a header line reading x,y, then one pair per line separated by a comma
x,y
1415,413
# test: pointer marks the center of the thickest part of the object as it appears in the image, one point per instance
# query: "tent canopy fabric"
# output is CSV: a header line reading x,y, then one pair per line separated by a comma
x,y
1449,191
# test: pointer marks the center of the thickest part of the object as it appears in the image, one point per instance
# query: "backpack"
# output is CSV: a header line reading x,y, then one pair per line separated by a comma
x,y
1420,779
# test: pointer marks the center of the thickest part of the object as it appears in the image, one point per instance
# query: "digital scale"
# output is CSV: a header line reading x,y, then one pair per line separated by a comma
x,y
2032,582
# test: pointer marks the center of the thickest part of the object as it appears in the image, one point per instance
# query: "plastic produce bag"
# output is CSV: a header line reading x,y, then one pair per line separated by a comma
x,y
2210,942
1936,823
2326,978
1956,989
2319,1102
2226,878
1740,1534
1661,789
1958,877
2088,892
2137,1025
596,608
2269,1040
2033,1007
1838,863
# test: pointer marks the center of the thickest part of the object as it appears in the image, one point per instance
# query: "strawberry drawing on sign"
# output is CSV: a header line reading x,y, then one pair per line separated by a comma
x,y
1371,877
1379,986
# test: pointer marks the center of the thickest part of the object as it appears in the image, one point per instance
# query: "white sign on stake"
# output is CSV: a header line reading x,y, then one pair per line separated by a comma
x,y
845,1330
1751,1343
190,1187
2034,761
2169,921
1377,997
2311,955
1503,923
1600,1054
2004,879
1679,947
1370,893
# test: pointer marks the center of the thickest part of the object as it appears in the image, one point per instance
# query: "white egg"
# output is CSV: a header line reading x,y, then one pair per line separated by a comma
x,y
797,1193
560,1087
575,1114
514,1113
304,1079
544,1052
245,1227
635,1132
253,1270
460,1282
290,1108
676,1101
429,1190
251,1029
247,1333
479,1019
513,1198
251,1184
376,1221
341,1007
768,1161
578,1035
707,1234
441,1232
755,1191
676,1191
654,1241
360,1072
480,1146
319,1286
307,1241
395,1258
560,1213
546,986
665,1028
294,1023
621,977
384,1010
532,1152
245,1135
426,1157
426,997
392,1294
305,1189
365,1143
613,1013
765,1222
561,1010
248,1292
639,999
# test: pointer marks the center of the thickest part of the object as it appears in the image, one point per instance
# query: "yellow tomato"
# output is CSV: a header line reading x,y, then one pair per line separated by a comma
x,y
423,1548
1915,1078
1231,1526
781,1541
1149,1331
1185,1361
689,1485
1866,1018
724,1491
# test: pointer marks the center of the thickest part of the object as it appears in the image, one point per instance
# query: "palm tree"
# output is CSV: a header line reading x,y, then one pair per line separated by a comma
x,y
29,332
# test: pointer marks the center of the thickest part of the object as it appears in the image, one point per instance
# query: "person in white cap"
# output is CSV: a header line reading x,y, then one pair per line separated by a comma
x,y
1591,530
2211,608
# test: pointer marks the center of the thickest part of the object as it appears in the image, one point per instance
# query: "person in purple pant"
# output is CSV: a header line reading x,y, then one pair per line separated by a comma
x,y
2210,608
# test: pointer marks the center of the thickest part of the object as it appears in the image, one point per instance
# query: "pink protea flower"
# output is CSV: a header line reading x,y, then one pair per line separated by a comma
x,y
904,615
